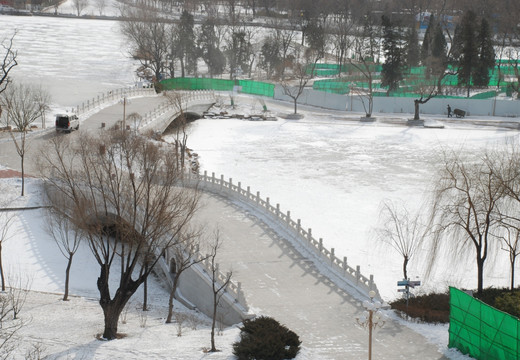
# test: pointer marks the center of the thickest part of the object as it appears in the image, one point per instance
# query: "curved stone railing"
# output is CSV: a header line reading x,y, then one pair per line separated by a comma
x,y
110,97
233,291
293,228
157,119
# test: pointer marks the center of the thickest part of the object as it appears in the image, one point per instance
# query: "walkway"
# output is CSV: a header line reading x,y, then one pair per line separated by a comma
x,y
279,282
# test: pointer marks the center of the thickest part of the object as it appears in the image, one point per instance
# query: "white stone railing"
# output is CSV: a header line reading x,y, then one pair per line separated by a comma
x,y
292,227
189,98
110,97
234,289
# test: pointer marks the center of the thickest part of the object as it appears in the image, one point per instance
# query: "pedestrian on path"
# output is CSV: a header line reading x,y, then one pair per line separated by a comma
x,y
449,111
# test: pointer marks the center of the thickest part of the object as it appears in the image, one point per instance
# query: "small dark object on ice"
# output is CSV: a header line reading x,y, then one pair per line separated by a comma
x,y
459,113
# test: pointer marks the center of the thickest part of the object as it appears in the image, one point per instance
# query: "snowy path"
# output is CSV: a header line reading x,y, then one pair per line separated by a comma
x,y
279,282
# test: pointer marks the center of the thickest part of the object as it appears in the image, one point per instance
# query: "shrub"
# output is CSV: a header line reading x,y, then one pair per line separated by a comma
x,y
264,338
431,308
509,302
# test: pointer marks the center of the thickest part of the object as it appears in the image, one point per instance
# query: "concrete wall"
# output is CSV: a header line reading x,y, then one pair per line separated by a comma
x,y
436,106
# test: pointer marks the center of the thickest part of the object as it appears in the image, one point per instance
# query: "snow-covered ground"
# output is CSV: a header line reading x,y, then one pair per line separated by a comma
x,y
328,170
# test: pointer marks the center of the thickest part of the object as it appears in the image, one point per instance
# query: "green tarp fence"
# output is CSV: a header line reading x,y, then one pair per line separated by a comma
x,y
247,86
482,331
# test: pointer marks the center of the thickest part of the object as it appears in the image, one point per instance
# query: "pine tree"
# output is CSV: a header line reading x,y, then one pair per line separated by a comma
x,y
469,52
438,52
427,40
412,48
486,59
392,71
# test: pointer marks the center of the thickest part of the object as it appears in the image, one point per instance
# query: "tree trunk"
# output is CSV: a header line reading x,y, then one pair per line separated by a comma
x,y
416,110
67,277
145,295
2,269
111,312
170,300
295,107
480,275
512,272
213,323
405,264
23,177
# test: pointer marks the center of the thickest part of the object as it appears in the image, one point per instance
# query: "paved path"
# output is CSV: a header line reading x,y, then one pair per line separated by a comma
x,y
279,282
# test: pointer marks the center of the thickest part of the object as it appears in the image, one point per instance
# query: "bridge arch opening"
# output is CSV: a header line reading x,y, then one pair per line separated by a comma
x,y
186,118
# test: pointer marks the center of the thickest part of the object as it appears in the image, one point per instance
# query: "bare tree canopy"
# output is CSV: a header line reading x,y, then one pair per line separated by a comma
x,y
125,196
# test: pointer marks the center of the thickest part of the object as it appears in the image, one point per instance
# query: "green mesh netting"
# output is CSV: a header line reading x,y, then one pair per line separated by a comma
x,y
481,331
248,87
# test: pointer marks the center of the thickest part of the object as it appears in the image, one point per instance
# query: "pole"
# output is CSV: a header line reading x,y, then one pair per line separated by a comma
x,y
124,113
370,326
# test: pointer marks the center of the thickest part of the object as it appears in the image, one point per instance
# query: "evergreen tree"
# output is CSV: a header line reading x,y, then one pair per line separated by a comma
x,y
427,40
438,52
477,55
188,52
392,71
210,52
486,59
468,59
412,47
456,46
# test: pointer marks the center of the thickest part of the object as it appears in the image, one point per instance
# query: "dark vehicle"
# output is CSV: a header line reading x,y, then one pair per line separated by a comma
x,y
66,123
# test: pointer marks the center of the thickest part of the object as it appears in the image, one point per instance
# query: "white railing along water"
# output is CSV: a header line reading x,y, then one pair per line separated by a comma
x,y
292,227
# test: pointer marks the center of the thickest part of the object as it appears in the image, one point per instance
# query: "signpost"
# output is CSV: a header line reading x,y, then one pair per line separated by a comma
x,y
407,283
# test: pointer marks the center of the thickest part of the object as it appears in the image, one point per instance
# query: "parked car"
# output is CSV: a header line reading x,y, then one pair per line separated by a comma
x,y
66,123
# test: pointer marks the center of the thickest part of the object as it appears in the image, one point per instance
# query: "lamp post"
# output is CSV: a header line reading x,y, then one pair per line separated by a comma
x,y
371,318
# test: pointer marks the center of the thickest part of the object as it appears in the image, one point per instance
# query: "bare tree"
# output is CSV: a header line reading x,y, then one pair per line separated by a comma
x,y
124,192
150,39
24,104
19,285
61,228
8,327
403,231
219,285
79,5
9,61
101,5
184,256
179,125
466,201
509,234
302,73
6,220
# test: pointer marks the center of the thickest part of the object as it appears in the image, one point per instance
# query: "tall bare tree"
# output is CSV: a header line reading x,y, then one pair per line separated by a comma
x,y
467,196
219,285
125,196
24,104
403,231
61,228
183,257
9,61
6,220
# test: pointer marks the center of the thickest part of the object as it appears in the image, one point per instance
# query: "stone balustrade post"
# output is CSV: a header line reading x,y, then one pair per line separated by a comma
x,y
258,196
221,181
320,245
205,175
358,274
230,184
345,264
371,283
298,226
332,256
239,188
309,236
277,210
267,203
248,193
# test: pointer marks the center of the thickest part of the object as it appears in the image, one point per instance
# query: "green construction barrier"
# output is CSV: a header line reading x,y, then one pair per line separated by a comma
x,y
482,331
248,87
484,95
256,88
